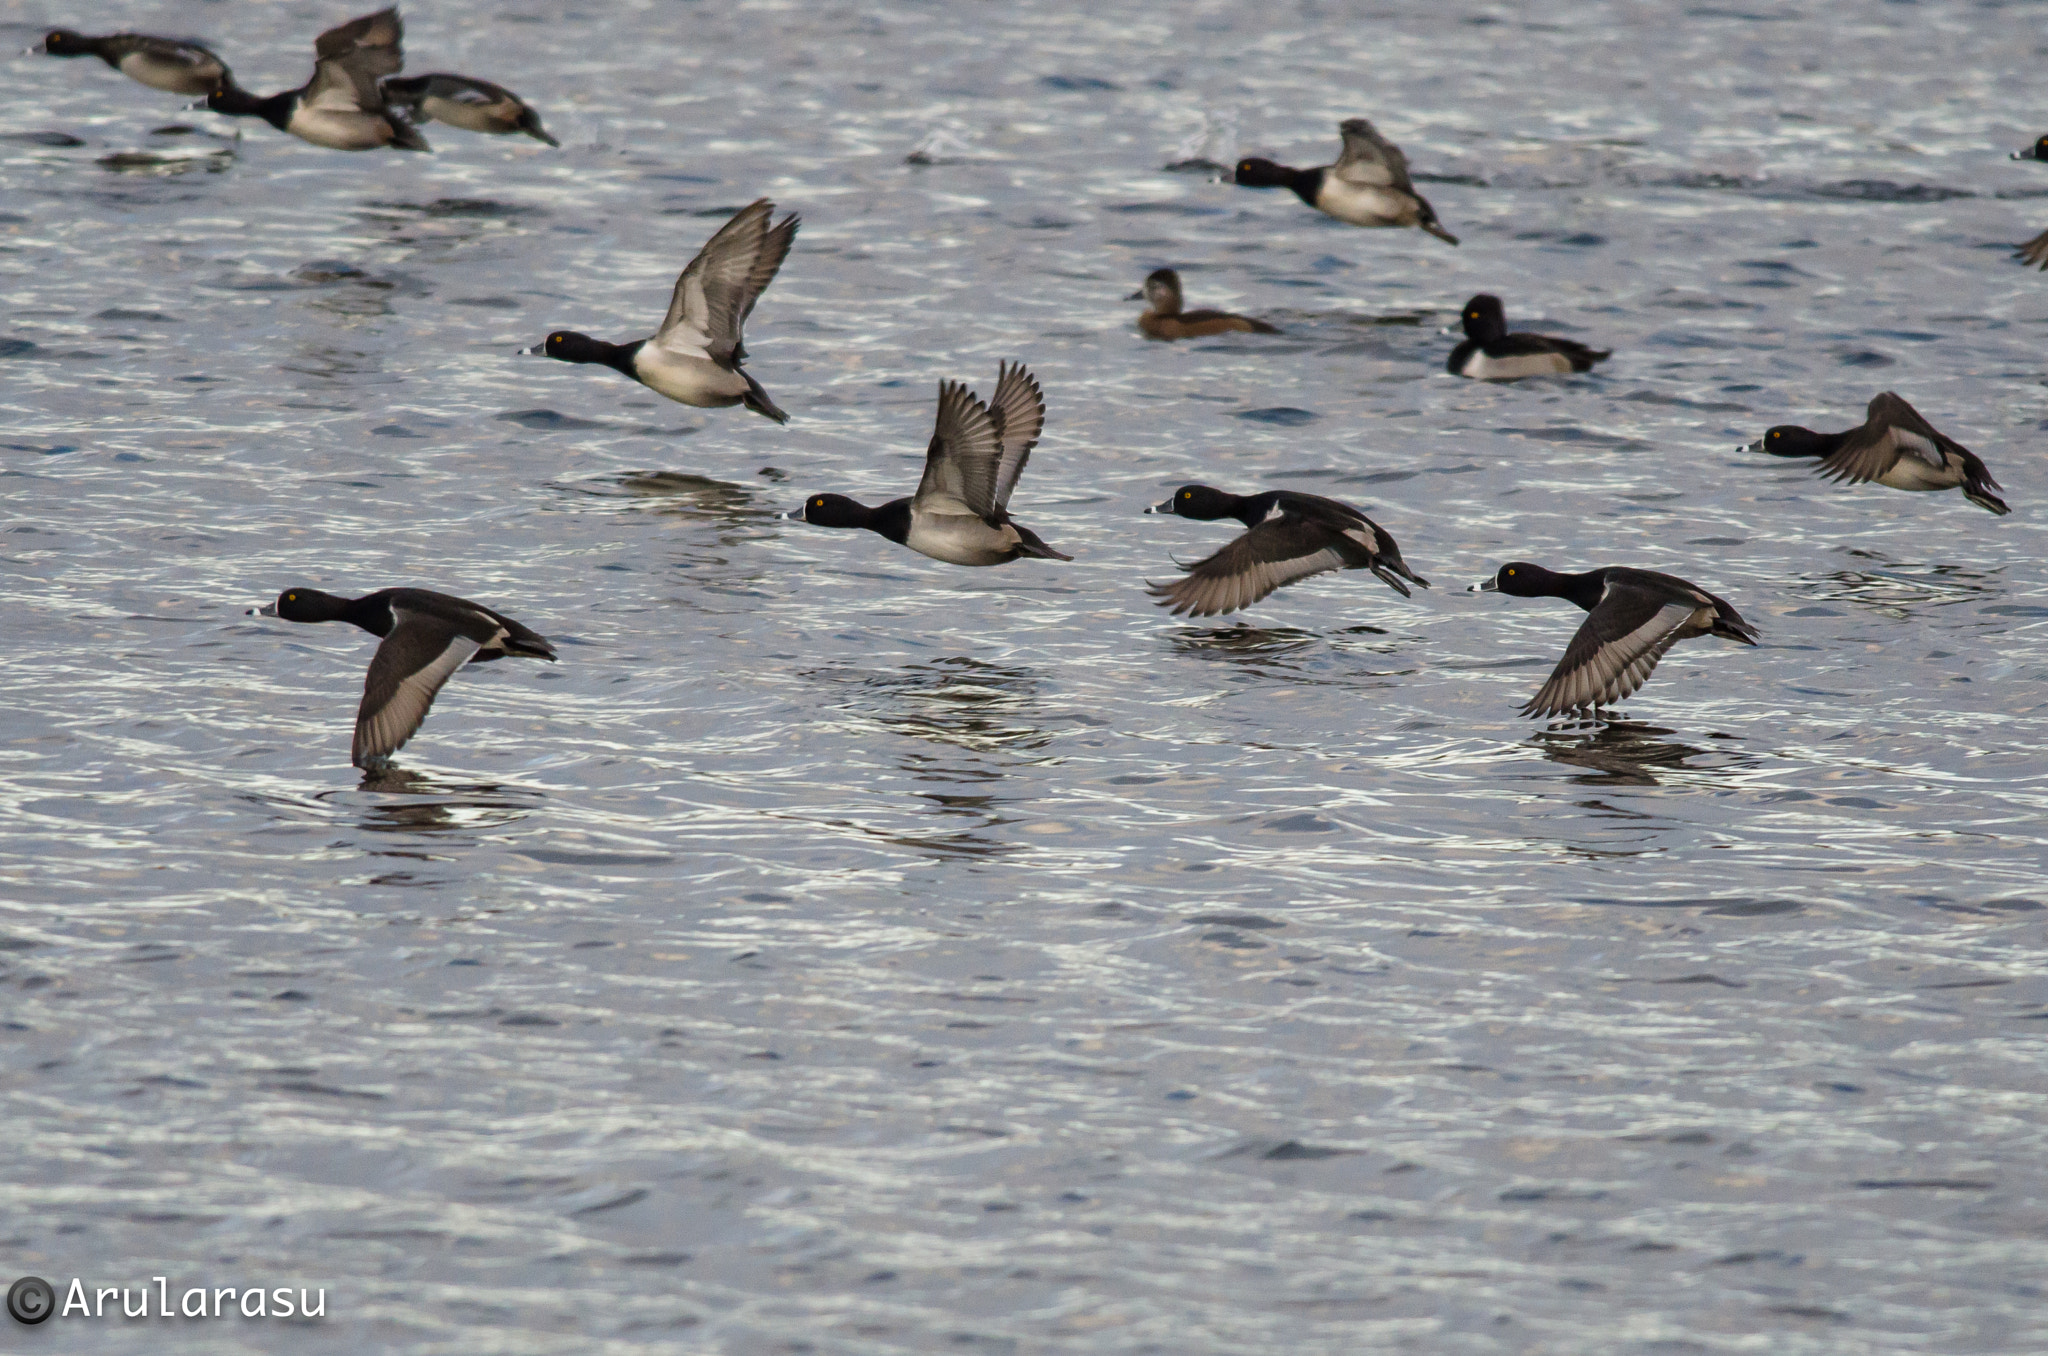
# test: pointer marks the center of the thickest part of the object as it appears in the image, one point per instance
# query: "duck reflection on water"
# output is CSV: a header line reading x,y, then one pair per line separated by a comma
x,y
408,801
1619,753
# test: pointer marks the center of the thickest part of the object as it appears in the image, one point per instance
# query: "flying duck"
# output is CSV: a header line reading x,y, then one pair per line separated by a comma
x,y
426,637
1490,353
1164,319
1368,186
342,107
2037,151
695,356
960,513
473,105
176,65
1292,536
1893,446
1633,617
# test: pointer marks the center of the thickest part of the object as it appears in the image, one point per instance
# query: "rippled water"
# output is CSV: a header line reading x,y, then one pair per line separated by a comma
x,y
842,952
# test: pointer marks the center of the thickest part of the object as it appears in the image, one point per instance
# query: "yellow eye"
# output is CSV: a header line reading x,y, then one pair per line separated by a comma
x,y
1510,571
291,597
1187,494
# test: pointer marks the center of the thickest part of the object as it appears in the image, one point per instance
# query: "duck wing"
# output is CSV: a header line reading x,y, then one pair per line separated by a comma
x,y
1369,159
1615,650
964,458
419,655
377,40
1275,553
2034,251
1891,430
716,293
1018,408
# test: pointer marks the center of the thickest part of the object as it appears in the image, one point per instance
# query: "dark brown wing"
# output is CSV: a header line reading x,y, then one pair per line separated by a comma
x,y
378,38
410,666
1370,158
1614,652
1018,407
716,293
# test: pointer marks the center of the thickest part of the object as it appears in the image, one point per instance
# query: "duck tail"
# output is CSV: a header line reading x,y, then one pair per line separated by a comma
x,y
756,399
1976,492
1030,544
529,123
404,136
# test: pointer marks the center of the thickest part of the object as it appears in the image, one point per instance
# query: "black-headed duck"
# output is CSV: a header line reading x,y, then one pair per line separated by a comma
x,y
426,637
1633,617
696,355
1291,536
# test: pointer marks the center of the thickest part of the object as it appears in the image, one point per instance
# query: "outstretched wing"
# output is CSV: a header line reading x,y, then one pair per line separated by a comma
x,y
1018,407
716,293
1369,159
966,452
1893,429
377,40
398,689
1612,655
1250,567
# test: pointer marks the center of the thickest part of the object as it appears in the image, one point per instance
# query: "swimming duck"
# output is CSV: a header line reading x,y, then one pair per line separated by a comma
x,y
1633,617
960,513
342,107
1164,319
1292,536
1490,353
695,356
473,105
176,65
1893,446
1368,186
426,637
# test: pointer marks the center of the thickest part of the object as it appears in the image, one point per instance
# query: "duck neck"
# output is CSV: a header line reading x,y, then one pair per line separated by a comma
x,y
1306,183
371,612
891,520
236,102
1252,509
1581,590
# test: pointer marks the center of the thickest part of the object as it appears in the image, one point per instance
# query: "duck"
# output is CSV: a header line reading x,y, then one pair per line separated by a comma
x,y
471,104
1490,353
1164,319
426,637
342,107
174,65
696,355
1633,617
1893,446
960,513
1291,536
1368,186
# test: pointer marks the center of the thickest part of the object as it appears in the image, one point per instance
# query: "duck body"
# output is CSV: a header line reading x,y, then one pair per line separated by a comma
x,y
426,637
1633,617
1490,353
1895,447
1164,319
174,65
695,357
342,107
960,513
1290,536
471,104
1368,186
